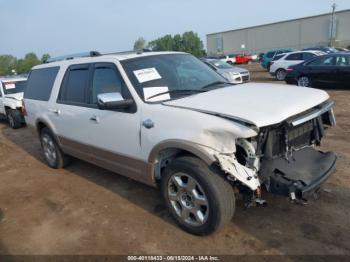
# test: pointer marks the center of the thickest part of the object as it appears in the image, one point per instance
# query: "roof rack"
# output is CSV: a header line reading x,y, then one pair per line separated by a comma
x,y
73,56
137,51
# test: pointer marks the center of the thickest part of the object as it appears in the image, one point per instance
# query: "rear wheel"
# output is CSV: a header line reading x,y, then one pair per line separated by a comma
x,y
54,156
281,74
14,118
198,198
304,81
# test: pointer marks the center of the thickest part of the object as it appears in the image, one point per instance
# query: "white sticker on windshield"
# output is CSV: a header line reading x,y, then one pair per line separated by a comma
x,y
10,86
151,93
147,74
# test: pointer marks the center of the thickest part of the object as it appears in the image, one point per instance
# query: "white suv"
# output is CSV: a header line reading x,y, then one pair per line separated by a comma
x,y
278,68
11,95
168,120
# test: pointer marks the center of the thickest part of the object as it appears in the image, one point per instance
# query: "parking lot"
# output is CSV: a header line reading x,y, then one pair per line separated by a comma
x,y
84,209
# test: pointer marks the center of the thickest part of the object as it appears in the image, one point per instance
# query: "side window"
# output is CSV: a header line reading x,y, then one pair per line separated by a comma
x,y
40,83
342,61
294,57
307,56
75,85
324,61
106,80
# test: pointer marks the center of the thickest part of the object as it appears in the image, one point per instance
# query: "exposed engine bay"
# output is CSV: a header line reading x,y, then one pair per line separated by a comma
x,y
285,155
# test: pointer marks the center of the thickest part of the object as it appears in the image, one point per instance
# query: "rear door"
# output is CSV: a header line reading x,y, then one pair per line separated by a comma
x,y
292,59
70,114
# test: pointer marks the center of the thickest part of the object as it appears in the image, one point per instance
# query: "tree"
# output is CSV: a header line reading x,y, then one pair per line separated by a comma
x,y
139,43
44,58
7,64
187,42
26,64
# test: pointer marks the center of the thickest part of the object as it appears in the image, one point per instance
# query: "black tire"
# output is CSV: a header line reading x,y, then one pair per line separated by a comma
x,y
217,191
281,74
60,160
14,118
304,81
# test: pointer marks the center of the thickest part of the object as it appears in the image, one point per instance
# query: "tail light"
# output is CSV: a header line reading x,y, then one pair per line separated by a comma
x,y
271,63
290,70
24,111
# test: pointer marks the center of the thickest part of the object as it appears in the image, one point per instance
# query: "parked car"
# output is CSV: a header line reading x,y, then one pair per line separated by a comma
x,y
230,59
233,74
330,70
166,119
243,59
326,49
278,68
268,56
11,95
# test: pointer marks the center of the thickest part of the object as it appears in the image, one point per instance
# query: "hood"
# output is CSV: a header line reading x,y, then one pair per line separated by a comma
x,y
234,69
253,103
17,96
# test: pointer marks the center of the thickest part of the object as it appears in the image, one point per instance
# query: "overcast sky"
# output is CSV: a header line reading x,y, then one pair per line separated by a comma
x,y
62,27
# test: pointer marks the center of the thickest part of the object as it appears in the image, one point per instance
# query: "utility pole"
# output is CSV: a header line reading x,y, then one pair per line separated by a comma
x,y
332,35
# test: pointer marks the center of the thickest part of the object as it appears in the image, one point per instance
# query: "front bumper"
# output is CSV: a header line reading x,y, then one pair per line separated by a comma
x,y
300,175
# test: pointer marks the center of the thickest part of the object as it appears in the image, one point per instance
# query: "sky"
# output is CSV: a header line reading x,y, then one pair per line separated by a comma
x,y
60,27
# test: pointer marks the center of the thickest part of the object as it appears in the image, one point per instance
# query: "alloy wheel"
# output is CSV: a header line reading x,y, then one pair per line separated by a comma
x,y
49,149
304,81
188,199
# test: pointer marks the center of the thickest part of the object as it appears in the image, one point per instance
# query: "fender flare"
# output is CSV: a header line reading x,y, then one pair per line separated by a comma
x,y
191,147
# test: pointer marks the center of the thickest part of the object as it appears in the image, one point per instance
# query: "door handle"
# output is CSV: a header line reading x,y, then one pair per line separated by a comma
x,y
55,111
95,118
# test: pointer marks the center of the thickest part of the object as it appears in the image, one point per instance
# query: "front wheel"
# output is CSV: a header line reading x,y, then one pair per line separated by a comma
x,y
304,81
14,118
198,197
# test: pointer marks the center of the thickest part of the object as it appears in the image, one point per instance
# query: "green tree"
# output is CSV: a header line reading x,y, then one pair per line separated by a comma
x,y
26,64
187,42
44,58
140,43
7,64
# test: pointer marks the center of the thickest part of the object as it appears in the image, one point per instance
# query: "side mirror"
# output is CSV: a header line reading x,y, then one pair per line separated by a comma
x,y
111,101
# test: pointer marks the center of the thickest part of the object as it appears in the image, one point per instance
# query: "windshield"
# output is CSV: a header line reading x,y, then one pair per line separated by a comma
x,y
152,75
220,64
14,87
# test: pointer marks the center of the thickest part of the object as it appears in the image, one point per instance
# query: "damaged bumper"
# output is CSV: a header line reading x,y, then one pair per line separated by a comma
x,y
300,175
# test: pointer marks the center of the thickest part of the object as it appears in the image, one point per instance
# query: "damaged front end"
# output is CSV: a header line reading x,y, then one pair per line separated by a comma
x,y
283,158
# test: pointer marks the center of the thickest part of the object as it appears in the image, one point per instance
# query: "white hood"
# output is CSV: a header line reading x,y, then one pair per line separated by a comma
x,y
17,96
258,104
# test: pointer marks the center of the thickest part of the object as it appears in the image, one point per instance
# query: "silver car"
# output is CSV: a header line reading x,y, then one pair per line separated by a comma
x,y
234,74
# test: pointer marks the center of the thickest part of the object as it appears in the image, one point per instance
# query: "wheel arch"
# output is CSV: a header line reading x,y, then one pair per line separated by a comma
x,y
165,151
40,124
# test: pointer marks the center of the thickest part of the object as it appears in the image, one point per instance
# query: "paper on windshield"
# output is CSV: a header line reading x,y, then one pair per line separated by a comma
x,y
147,74
10,86
151,91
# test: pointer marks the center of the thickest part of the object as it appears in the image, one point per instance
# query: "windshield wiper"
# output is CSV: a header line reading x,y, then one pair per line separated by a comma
x,y
177,91
216,83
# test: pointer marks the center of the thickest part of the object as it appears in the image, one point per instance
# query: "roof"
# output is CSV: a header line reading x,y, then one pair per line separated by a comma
x,y
273,23
104,57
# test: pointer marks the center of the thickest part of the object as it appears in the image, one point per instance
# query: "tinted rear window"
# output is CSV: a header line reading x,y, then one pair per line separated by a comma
x,y
76,85
40,83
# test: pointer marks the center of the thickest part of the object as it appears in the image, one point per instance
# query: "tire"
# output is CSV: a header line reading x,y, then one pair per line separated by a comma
x,y
304,81
281,74
190,187
54,156
14,118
